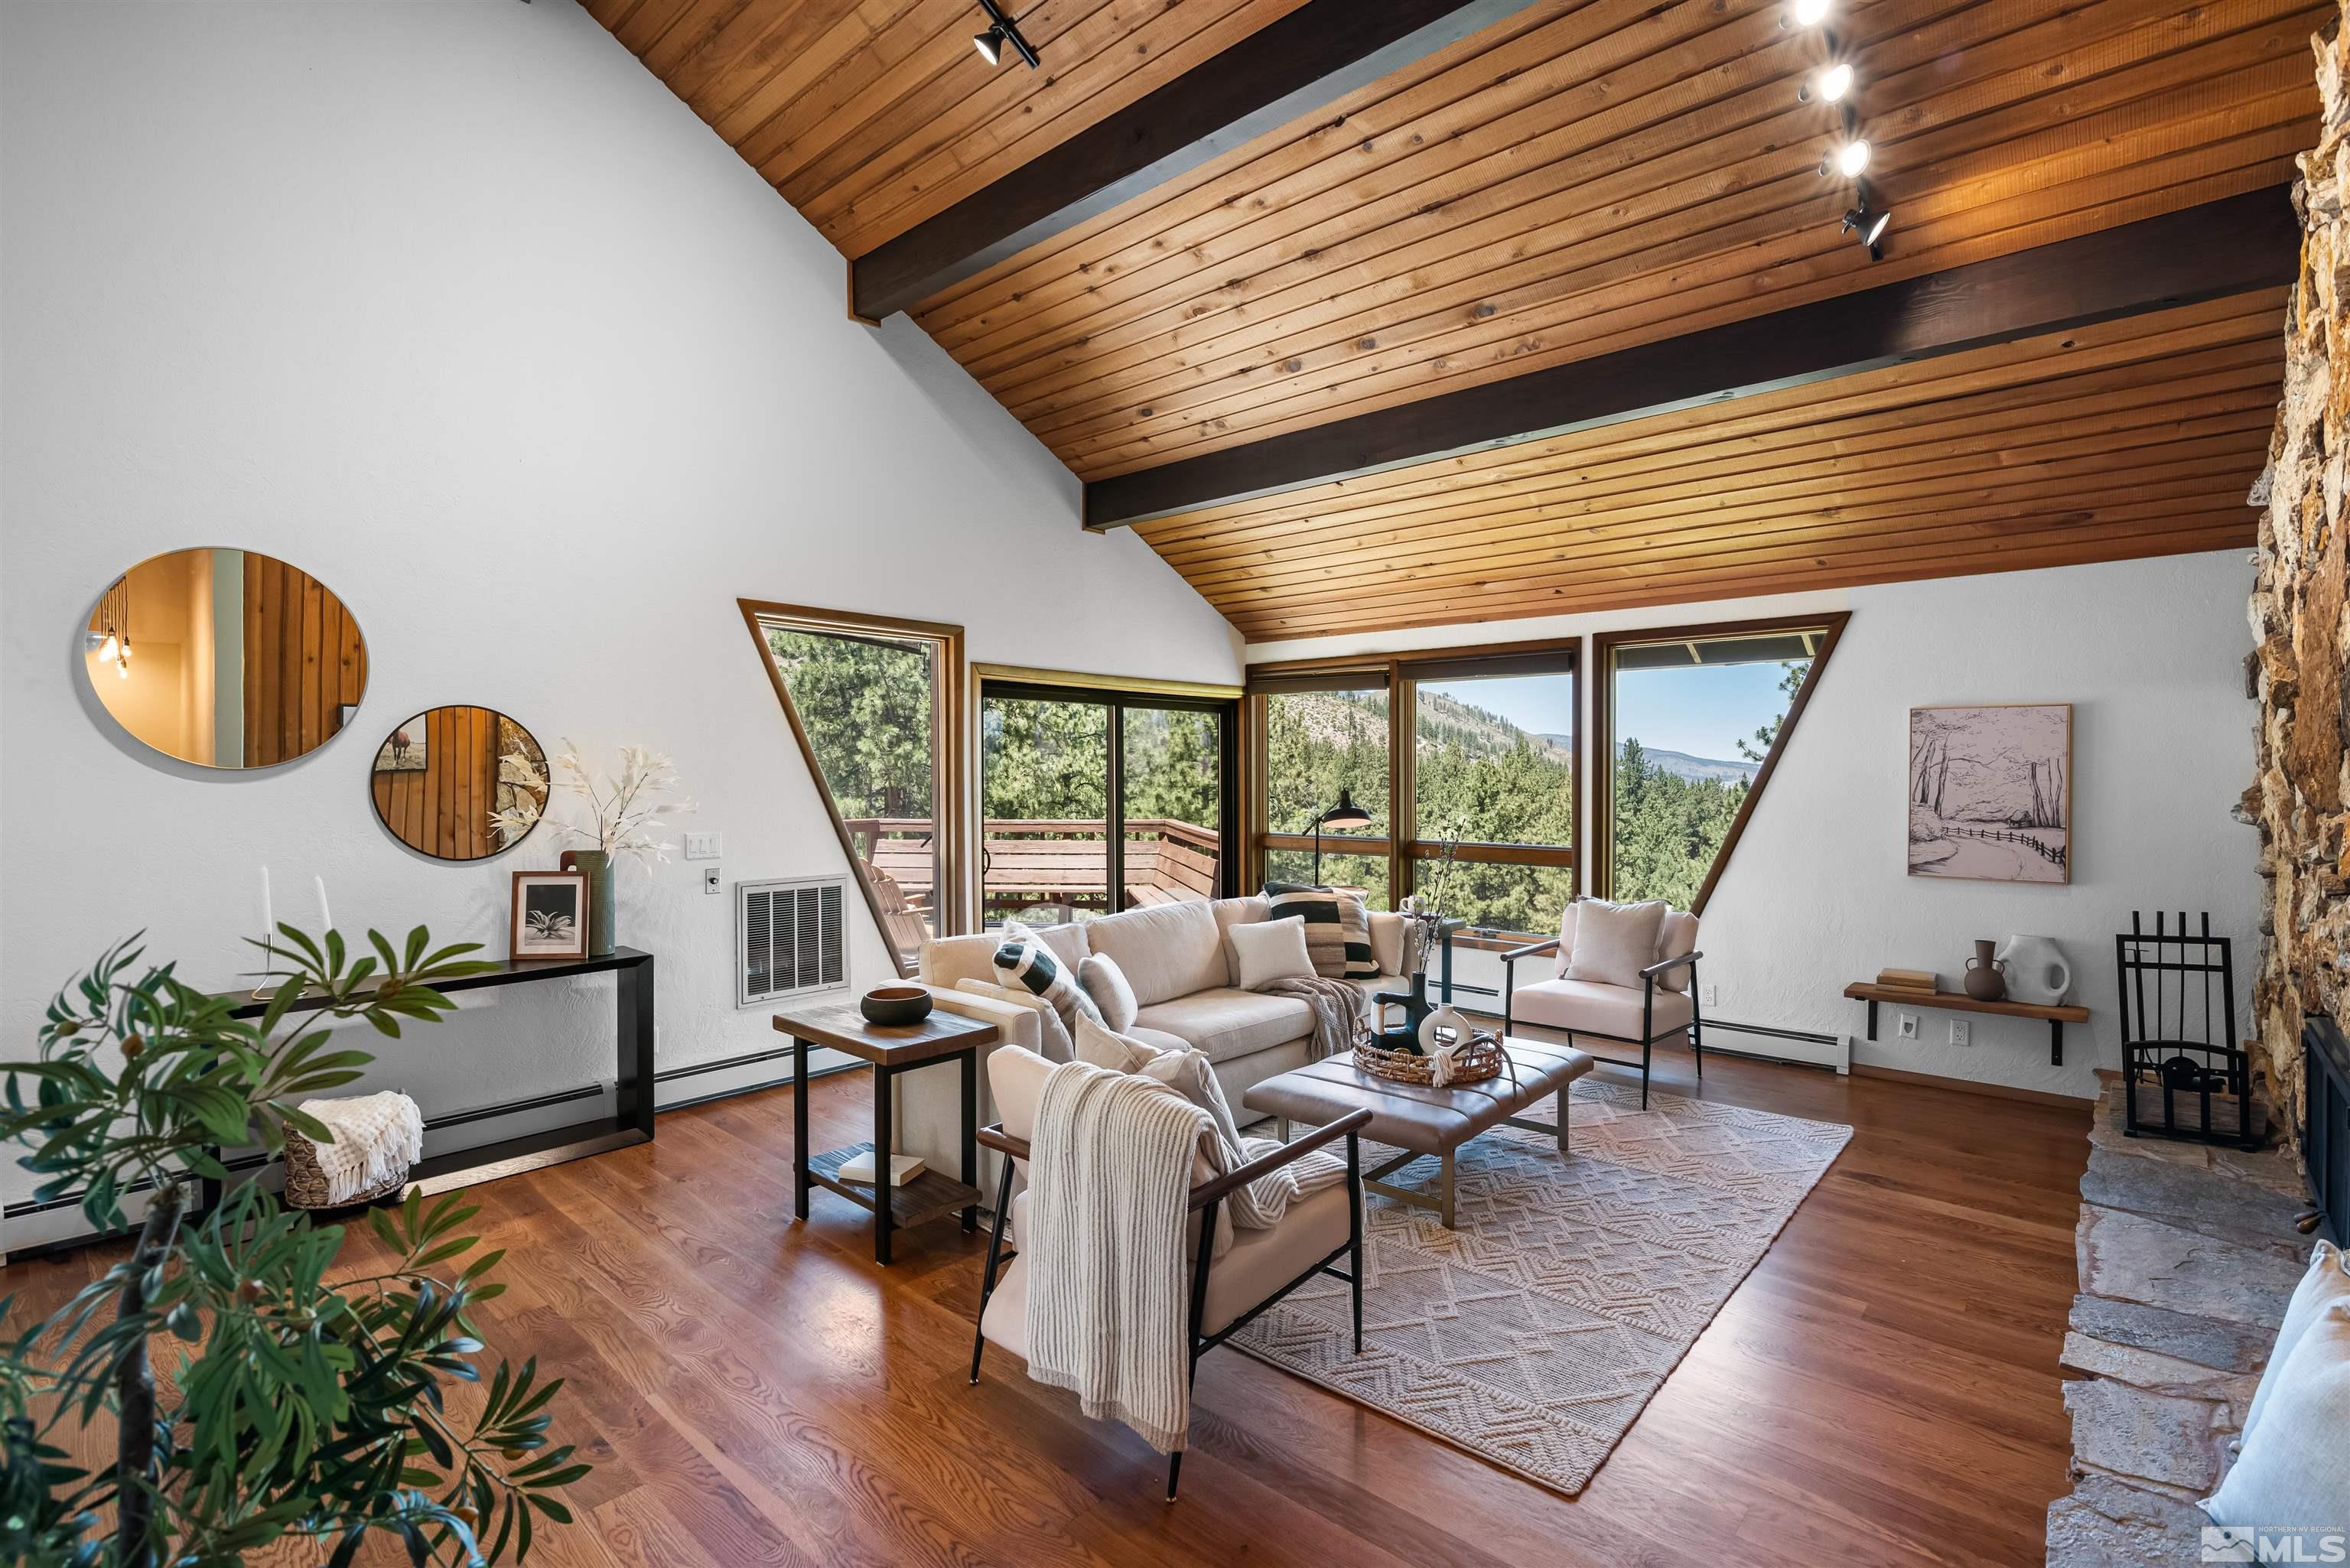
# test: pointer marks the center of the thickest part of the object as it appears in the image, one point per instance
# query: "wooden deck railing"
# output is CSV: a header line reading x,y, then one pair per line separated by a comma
x,y
1034,860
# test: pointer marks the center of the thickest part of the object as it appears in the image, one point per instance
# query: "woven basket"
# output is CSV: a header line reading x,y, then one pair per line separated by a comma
x,y
1480,1059
306,1184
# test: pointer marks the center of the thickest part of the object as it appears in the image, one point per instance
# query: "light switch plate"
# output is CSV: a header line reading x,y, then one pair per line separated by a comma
x,y
703,846
1905,1026
1957,1031
710,883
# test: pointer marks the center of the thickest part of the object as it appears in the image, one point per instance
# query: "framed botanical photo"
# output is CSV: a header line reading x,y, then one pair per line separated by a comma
x,y
1991,792
550,914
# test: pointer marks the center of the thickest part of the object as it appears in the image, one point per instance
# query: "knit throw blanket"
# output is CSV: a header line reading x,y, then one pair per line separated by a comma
x,y
1337,1009
1108,1271
377,1139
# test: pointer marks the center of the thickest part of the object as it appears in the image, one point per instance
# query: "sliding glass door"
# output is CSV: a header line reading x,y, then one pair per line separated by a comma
x,y
1093,801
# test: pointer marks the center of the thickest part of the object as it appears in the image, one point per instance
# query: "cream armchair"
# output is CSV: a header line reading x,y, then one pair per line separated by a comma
x,y
1664,1004
1233,1278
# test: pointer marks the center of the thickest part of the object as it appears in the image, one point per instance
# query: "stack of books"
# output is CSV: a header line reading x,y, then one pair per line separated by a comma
x,y
1919,979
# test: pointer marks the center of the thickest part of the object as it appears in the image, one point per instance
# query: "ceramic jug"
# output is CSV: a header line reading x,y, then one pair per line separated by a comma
x,y
1984,983
2036,971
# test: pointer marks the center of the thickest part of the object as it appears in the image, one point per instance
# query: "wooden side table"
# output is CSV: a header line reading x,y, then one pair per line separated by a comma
x,y
941,1038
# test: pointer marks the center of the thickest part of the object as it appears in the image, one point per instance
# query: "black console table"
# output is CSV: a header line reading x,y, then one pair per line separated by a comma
x,y
631,1121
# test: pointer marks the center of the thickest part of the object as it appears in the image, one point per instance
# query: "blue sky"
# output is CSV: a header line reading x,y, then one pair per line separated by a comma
x,y
1701,712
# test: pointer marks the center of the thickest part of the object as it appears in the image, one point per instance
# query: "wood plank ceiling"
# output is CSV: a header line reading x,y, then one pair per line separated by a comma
x,y
2135,438
1584,176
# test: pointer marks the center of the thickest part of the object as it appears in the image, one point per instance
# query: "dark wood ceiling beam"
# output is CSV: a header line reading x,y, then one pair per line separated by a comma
x,y
2221,248
1287,71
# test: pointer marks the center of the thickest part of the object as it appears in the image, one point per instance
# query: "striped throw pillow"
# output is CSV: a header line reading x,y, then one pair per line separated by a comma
x,y
1025,963
1338,928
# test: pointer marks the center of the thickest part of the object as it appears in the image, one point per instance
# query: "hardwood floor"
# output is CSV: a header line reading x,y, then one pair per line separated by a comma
x,y
1883,1389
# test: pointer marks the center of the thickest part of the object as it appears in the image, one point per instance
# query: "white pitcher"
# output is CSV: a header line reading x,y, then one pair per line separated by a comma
x,y
2036,971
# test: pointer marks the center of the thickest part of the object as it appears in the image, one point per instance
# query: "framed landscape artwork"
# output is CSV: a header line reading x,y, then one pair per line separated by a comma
x,y
1991,792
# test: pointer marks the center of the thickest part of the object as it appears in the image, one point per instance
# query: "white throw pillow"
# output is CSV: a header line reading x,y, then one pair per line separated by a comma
x,y
1052,1041
1614,942
2327,1282
2294,1470
1106,983
1271,950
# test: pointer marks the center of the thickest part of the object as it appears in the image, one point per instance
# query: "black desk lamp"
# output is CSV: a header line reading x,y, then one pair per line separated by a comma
x,y
1342,817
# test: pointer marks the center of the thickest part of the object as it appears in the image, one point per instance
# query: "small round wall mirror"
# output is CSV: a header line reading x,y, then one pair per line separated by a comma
x,y
224,658
459,783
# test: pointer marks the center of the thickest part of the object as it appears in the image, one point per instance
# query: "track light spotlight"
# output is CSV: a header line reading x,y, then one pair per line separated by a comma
x,y
1810,13
1833,83
1870,225
1852,159
1001,30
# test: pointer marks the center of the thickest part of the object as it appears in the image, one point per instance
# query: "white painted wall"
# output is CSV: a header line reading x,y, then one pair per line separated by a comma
x,y
456,307
2150,655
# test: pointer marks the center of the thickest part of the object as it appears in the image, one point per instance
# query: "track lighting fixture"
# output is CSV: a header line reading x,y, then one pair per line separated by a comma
x,y
1868,223
1852,159
1001,30
1809,12
1834,83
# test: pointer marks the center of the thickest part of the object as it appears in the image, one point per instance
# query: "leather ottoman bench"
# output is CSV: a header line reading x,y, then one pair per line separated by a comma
x,y
1420,1120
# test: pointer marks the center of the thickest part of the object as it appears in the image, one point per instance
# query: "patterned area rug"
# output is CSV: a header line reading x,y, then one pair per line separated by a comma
x,y
1533,1335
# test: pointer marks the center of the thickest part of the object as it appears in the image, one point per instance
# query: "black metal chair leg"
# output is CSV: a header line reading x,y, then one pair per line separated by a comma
x,y
1174,1469
994,1252
1355,1230
1647,1050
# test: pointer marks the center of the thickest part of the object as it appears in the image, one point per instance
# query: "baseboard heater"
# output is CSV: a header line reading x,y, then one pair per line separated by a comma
x,y
1755,1042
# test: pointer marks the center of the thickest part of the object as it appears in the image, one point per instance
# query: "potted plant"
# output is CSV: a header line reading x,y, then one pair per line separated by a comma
x,y
297,1408
626,821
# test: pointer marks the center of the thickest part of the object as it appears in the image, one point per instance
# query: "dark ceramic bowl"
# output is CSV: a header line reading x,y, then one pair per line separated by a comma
x,y
889,1004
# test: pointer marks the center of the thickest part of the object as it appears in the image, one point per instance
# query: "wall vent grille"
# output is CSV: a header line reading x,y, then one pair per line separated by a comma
x,y
788,940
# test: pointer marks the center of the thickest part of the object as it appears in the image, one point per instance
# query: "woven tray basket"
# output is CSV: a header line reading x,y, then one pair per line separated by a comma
x,y
306,1184
1481,1058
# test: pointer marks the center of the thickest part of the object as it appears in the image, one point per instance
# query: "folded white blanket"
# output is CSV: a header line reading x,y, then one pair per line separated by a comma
x,y
1109,1186
377,1139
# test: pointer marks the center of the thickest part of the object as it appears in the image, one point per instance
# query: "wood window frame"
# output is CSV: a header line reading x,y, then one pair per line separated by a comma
x,y
1402,846
950,752
1602,831
1119,692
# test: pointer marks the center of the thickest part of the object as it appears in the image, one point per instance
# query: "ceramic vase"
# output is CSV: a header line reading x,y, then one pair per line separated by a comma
x,y
1445,1026
1984,982
601,935
2036,971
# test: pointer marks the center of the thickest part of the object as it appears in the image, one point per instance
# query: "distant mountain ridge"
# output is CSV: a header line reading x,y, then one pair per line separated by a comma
x,y
1700,770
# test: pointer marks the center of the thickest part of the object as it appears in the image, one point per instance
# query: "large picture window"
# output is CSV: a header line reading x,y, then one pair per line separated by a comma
x,y
1693,718
1098,799
870,701
1463,767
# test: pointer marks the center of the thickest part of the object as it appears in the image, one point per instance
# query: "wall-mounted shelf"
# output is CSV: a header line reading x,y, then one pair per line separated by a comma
x,y
1960,1002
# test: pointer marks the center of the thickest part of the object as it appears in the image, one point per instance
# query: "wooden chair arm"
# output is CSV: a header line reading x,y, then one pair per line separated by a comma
x,y
1666,966
1003,1142
1207,1192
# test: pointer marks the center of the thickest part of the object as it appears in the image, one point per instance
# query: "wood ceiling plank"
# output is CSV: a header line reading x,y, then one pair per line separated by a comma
x,y
1331,248
1488,498
1604,538
2104,357
719,73
2129,134
1538,522
805,92
1510,345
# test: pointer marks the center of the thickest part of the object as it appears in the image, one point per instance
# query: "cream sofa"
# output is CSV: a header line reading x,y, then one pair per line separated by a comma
x,y
1181,970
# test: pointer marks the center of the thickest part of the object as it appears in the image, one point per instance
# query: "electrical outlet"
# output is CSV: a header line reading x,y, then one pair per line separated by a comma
x,y
1957,1032
1905,1026
710,883
701,847
1709,994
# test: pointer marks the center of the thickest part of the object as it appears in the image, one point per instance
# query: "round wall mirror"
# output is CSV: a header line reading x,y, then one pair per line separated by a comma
x,y
459,783
224,658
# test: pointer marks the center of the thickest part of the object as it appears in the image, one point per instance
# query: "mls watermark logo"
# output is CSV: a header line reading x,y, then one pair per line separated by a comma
x,y
2249,1543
